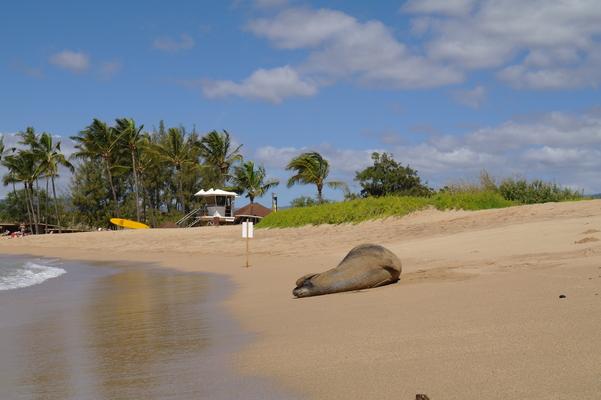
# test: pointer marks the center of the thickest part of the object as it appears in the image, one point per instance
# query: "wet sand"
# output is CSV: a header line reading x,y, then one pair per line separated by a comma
x,y
477,313
122,331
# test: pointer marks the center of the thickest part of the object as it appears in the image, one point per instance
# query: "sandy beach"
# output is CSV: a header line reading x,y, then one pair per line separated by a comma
x,y
476,315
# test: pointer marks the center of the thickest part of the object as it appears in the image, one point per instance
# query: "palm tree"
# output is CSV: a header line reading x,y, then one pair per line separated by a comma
x,y
312,169
22,168
98,142
215,148
177,152
51,158
3,150
252,181
8,178
31,139
131,135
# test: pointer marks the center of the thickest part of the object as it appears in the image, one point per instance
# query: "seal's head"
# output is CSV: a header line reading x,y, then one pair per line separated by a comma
x,y
304,286
301,291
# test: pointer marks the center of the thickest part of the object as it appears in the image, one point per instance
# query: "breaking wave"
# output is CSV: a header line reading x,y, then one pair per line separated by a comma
x,y
26,274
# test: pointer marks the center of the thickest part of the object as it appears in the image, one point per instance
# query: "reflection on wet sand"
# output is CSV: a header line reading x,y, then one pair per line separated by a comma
x,y
135,334
140,327
46,369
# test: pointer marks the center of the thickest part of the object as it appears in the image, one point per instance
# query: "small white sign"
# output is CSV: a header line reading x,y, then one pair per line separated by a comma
x,y
247,230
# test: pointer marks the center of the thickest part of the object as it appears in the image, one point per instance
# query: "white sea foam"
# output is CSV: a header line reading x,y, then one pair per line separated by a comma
x,y
27,274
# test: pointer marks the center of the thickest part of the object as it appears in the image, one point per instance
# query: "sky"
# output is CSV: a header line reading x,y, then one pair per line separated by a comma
x,y
449,87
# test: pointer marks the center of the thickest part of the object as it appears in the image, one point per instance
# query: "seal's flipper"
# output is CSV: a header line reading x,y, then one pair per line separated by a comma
x,y
301,281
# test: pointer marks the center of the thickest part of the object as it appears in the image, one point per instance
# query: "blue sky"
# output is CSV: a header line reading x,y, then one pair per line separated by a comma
x,y
449,87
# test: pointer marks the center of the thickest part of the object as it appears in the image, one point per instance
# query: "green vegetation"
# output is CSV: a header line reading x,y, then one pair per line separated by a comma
x,y
359,210
312,169
486,194
117,170
305,201
252,181
536,191
121,170
387,177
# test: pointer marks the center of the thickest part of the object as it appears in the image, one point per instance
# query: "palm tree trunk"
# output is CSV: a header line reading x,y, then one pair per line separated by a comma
x,y
110,176
319,196
46,203
30,201
133,161
180,190
58,221
36,195
27,205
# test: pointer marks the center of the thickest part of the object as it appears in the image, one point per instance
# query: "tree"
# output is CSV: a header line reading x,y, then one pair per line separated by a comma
x,y
251,180
312,169
131,136
90,195
177,152
98,142
2,148
30,139
22,169
387,177
51,158
13,208
215,149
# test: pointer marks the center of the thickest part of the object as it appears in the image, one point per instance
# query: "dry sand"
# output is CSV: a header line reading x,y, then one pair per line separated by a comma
x,y
477,314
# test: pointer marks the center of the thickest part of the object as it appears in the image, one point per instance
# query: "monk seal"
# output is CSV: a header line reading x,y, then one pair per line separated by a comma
x,y
365,266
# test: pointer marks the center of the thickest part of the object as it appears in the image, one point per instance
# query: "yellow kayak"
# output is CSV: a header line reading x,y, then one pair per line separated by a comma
x,y
127,223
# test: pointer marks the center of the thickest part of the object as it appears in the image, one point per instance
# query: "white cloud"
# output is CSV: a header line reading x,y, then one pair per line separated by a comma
x,y
560,147
342,47
445,7
472,98
170,44
299,27
109,69
561,157
277,157
342,161
272,85
541,44
71,60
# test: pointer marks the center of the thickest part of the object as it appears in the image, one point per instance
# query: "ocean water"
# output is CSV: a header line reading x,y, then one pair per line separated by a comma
x,y
18,273
77,331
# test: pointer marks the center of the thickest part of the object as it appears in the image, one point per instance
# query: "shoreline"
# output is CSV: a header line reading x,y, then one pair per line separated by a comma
x,y
220,338
475,314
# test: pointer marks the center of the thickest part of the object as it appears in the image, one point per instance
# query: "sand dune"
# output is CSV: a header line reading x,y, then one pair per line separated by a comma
x,y
477,314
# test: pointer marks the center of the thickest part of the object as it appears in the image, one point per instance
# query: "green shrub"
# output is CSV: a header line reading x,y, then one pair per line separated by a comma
x,y
303,201
536,191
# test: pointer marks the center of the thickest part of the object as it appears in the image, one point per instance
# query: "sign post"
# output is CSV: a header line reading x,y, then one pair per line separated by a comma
x,y
247,233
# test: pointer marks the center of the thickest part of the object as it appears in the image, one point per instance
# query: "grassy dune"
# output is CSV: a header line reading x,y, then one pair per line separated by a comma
x,y
355,211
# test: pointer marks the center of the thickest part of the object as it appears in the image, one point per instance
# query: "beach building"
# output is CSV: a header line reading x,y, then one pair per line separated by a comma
x,y
253,212
217,209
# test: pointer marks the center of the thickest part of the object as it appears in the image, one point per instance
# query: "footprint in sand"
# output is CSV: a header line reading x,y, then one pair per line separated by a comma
x,y
587,240
590,231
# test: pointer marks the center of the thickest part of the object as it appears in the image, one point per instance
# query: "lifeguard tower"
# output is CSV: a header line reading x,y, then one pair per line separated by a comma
x,y
218,208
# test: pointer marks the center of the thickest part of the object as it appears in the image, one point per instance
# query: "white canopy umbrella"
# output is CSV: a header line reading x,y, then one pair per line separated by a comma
x,y
215,192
